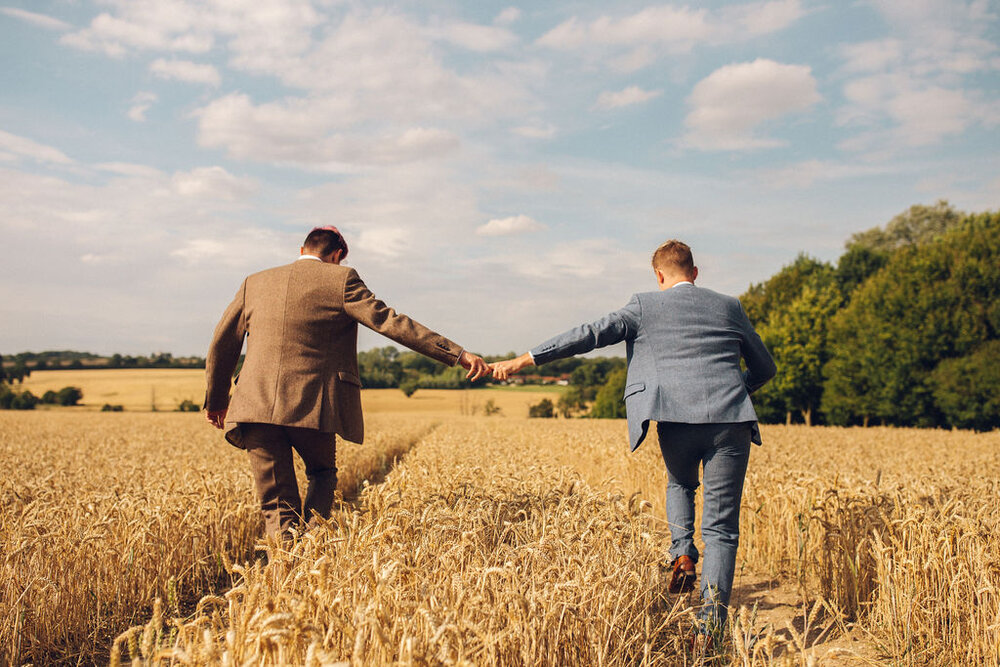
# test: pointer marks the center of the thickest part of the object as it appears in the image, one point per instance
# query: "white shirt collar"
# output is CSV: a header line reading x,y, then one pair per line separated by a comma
x,y
683,282
308,257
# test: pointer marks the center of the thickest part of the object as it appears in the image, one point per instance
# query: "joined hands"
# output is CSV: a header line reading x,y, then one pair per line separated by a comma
x,y
500,370
475,364
504,369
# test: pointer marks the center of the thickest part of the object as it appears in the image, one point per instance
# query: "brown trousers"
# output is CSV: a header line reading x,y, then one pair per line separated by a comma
x,y
270,449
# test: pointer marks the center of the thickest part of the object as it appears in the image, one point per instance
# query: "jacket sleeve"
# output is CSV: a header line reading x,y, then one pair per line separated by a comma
x,y
224,352
361,304
613,328
760,364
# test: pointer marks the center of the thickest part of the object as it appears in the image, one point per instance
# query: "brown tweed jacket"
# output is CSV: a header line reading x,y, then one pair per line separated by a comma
x,y
301,368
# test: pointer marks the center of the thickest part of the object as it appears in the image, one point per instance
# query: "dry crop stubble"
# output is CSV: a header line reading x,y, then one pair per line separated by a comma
x,y
476,549
894,530
494,538
100,514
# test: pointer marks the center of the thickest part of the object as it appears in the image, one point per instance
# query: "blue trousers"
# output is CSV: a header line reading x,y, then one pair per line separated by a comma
x,y
723,450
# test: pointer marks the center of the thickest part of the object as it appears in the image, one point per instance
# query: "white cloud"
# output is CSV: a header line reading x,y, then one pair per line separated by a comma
x,y
518,224
387,63
129,169
729,105
39,20
262,29
916,87
540,131
525,178
17,148
185,70
671,29
588,258
475,37
302,132
212,183
115,36
627,97
141,103
928,115
872,56
759,18
634,59
394,210
377,93
508,16
677,27
199,250
375,87
385,242
128,229
899,110
809,172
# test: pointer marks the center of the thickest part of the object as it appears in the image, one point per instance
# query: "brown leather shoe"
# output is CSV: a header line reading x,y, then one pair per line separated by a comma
x,y
683,578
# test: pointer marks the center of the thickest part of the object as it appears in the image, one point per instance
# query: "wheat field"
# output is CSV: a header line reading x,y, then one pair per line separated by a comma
x,y
466,539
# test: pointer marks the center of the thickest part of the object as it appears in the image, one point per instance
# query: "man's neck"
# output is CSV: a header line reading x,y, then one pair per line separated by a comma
x,y
674,282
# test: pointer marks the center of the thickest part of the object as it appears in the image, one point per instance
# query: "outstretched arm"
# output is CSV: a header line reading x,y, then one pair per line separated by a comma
x,y
363,306
610,329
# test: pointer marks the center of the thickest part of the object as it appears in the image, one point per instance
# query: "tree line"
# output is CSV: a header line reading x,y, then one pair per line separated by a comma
x,y
903,329
12,398
23,363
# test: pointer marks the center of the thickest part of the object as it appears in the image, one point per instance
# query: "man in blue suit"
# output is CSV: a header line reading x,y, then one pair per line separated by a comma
x,y
684,346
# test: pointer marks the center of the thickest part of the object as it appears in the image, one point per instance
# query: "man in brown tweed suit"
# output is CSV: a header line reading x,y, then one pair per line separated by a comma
x,y
299,385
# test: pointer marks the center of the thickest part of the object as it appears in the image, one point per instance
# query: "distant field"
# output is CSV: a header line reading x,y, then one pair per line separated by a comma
x,y
137,390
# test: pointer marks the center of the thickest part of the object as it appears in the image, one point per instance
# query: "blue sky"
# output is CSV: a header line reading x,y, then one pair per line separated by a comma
x,y
502,171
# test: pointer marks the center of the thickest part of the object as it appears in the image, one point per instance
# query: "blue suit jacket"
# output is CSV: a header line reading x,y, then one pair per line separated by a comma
x,y
684,348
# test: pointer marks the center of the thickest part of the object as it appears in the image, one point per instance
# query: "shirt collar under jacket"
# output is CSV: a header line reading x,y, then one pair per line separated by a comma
x,y
683,282
308,257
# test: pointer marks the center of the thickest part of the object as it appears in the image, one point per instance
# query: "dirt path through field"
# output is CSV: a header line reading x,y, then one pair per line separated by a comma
x,y
778,604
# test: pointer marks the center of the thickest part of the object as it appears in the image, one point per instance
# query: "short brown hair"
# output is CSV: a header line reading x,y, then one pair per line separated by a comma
x,y
674,257
324,241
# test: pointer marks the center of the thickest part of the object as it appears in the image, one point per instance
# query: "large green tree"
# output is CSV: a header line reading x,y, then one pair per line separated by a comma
x,y
380,367
609,402
766,304
797,337
763,299
932,301
967,389
856,265
916,225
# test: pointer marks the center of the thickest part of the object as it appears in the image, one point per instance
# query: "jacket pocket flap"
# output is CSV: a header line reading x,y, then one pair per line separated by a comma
x,y
634,389
350,378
